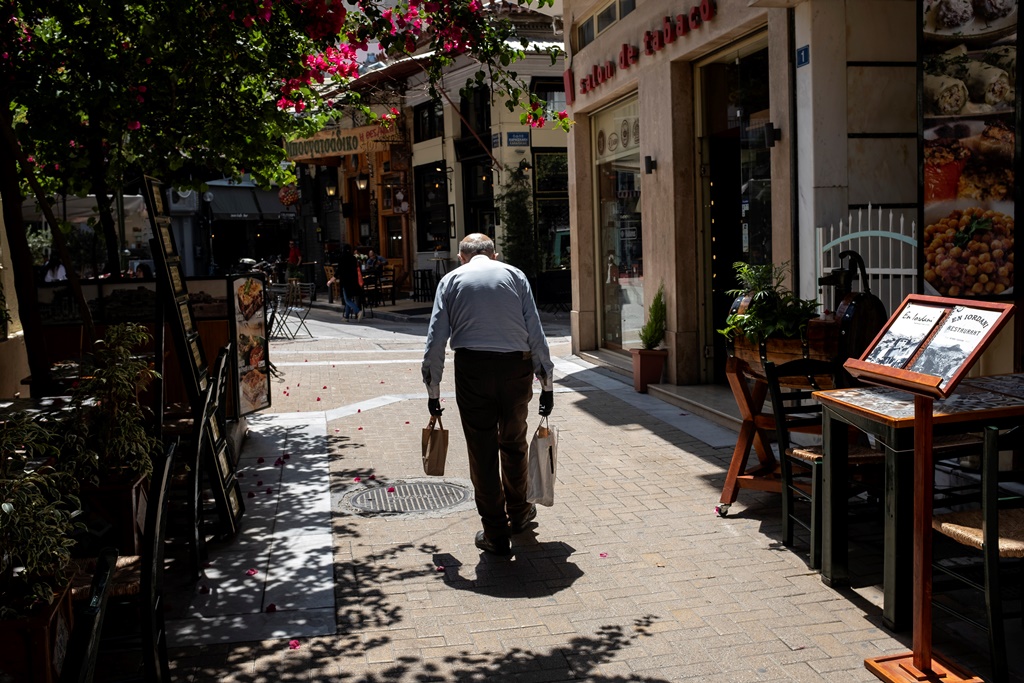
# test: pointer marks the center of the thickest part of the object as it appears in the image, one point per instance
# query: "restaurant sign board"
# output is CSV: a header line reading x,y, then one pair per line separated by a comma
x,y
333,142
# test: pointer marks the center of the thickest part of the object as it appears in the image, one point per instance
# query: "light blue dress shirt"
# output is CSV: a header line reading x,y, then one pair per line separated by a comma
x,y
485,305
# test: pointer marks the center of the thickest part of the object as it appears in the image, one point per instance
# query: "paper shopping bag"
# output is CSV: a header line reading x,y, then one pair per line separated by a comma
x,y
435,447
543,459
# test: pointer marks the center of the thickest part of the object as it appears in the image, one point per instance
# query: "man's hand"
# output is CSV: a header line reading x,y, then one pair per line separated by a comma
x,y
434,406
547,402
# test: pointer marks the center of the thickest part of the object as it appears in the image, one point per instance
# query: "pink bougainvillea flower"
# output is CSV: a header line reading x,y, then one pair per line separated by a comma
x,y
357,479
318,398
271,608
270,490
603,555
562,115
372,477
293,645
391,489
134,125
251,494
259,459
251,572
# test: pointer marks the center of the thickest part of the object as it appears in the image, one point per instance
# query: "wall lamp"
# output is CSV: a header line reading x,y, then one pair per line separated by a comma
x,y
362,181
331,190
650,163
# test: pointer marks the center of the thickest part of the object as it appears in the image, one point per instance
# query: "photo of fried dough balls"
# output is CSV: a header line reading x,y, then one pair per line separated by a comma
x,y
970,253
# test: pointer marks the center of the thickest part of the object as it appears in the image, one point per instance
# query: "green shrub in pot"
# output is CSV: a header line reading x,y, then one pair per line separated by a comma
x,y
772,310
653,331
38,504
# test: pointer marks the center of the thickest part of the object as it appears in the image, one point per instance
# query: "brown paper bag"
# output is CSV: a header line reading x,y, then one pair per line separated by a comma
x,y
435,447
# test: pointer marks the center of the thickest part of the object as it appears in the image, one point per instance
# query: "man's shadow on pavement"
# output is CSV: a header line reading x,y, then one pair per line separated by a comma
x,y
533,570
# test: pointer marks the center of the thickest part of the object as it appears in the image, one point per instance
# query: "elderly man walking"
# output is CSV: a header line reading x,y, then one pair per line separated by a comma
x,y
487,309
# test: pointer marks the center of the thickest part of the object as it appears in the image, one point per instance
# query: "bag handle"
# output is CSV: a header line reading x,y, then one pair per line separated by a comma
x,y
543,429
435,419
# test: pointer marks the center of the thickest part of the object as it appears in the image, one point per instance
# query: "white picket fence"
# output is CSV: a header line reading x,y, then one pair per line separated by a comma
x,y
888,245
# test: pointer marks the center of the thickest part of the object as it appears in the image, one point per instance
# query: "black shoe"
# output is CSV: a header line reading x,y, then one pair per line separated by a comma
x,y
499,546
521,525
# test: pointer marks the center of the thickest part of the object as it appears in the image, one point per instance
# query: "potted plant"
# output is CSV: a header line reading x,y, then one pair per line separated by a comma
x,y
769,322
116,460
649,361
37,510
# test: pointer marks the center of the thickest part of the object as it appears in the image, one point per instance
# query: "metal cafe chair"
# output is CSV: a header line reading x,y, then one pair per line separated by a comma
x,y
278,323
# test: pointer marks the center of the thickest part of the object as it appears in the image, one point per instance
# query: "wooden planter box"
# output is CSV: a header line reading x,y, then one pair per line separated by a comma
x,y
822,343
34,647
123,505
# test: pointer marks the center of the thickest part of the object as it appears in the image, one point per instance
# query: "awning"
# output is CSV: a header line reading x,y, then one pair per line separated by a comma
x,y
81,209
271,206
234,204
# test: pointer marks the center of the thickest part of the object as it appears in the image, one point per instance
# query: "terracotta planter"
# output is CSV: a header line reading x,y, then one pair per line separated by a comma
x,y
648,367
34,646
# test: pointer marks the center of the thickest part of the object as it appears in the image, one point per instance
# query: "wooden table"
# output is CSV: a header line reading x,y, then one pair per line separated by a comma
x,y
889,416
750,401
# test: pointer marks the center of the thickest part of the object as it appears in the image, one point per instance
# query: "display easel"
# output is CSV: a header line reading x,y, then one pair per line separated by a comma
x,y
945,337
172,290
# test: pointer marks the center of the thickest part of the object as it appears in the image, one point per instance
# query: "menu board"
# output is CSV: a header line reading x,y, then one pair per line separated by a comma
x,y
930,343
249,331
968,107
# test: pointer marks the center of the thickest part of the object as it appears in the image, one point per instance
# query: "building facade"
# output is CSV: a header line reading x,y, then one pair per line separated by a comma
x,y
716,131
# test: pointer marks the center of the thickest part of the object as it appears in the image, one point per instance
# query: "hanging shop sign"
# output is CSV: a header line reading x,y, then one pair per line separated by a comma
x,y
334,142
673,27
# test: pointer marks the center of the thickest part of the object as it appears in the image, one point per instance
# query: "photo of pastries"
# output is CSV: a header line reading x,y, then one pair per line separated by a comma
x,y
254,388
250,298
959,82
251,351
969,20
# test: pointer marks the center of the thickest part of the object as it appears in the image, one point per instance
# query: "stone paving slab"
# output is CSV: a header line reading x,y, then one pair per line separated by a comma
x,y
630,576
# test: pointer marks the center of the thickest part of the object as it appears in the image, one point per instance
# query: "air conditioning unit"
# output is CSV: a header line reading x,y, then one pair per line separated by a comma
x,y
182,202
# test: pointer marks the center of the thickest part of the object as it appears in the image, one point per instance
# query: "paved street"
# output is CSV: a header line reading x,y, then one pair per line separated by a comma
x,y
630,576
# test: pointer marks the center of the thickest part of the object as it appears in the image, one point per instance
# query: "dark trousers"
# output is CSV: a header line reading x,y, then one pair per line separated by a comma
x,y
493,393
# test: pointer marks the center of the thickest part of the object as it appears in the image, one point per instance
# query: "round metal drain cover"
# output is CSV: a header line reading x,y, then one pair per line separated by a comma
x,y
410,496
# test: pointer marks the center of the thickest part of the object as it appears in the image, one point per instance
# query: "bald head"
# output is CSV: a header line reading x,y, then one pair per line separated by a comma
x,y
474,245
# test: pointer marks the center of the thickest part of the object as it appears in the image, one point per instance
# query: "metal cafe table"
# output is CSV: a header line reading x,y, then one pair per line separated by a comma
x,y
888,415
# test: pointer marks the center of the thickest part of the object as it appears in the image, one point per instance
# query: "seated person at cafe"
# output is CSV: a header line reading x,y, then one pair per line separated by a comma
x,y
374,262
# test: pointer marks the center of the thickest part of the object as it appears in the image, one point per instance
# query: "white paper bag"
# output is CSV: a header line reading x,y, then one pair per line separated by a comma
x,y
542,465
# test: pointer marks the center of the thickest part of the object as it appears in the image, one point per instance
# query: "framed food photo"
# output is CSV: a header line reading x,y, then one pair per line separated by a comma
x,y
968,123
248,316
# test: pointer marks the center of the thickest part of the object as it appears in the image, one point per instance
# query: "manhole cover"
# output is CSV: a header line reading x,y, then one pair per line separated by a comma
x,y
411,496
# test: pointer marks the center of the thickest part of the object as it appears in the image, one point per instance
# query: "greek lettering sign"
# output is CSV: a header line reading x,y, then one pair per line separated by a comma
x,y
519,139
334,142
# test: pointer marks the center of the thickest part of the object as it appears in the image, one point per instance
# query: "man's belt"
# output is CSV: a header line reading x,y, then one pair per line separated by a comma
x,y
494,355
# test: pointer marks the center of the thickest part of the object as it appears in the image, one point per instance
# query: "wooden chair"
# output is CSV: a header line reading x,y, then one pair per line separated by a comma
x,y
386,284
796,410
333,288
993,531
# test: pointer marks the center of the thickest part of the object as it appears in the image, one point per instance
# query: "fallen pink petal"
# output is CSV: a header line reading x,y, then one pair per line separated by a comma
x,y
251,572
439,568
251,494
603,555
271,607
286,456
406,422
259,459
318,398
359,410
270,490
372,477
293,645
391,489
357,479
259,483
360,429
325,386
